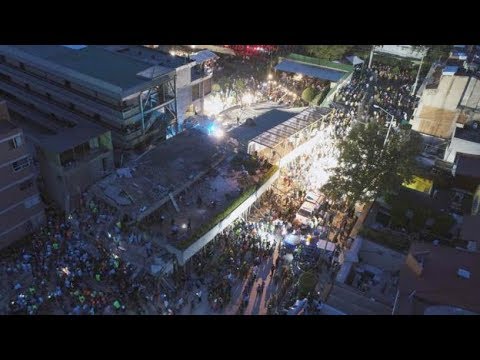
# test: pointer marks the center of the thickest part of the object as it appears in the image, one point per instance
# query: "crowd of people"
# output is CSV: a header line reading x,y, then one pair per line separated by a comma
x,y
77,265
383,85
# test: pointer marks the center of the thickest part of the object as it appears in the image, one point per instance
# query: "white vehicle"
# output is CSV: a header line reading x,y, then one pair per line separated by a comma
x,y
314,197
305,213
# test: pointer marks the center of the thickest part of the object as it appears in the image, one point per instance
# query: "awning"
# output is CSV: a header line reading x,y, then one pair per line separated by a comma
x,y
317,72
276,135
204,55
354,60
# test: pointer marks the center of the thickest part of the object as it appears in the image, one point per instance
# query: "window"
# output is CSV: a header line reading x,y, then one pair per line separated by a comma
x,y
32,201
21,164
2,58
67,84
48,96
16,142
26,185
71,106
27,86
96,117
22,66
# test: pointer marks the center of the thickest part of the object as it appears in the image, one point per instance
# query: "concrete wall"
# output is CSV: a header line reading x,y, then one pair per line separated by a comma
x,y
402,50
210,235
437,111
184,92
461,146
380,256
471,98
64,186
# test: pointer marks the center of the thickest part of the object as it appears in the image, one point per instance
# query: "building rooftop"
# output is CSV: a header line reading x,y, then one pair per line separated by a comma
x,y
144,184
311,70
101,66
468,165
151,56
55,139
470,228
439,275
352,302
264,122
468,134
6,126
442,201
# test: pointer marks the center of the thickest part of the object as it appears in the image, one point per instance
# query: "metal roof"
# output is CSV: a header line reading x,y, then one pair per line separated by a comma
x,y
94,65
268,120
314,71
204,55
276,135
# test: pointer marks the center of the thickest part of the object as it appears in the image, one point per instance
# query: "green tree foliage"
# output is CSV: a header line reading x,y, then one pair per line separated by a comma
x,y
328,52
309,94
239,86
443,224
306,284
438,52
367,168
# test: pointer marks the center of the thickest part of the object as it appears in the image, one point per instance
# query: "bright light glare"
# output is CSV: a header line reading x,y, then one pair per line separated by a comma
x,y
213,105
184,226
248,98
270,76
218,133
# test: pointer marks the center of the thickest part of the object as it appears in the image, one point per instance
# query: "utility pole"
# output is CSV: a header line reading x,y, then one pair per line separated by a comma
x,y
371,57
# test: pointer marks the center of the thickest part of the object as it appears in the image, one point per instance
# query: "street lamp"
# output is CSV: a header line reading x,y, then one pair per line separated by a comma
x,y
391,122
270,76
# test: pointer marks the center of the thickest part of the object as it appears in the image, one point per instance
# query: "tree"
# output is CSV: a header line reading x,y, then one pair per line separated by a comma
x,y
438,52
239,86
367,168
328,52
224,85
309,94
306,284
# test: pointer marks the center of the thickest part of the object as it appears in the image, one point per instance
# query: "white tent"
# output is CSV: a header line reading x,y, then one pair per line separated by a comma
x,y
354,60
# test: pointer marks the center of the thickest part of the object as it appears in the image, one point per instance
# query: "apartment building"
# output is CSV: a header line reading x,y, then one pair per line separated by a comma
x,y
21,209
